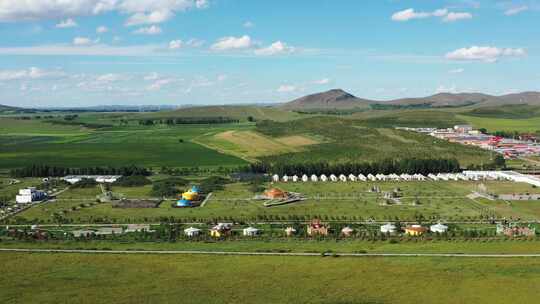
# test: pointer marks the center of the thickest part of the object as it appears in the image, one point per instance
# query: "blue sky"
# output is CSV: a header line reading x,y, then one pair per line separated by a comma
x,y
96,52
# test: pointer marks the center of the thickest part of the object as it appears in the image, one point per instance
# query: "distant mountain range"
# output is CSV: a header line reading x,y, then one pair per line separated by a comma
x,y
338,99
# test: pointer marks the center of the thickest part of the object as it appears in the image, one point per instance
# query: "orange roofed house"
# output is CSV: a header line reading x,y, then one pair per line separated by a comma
x,y
317,228
415,230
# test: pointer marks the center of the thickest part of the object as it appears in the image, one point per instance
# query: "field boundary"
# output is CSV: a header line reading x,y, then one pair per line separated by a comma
x,y
292,254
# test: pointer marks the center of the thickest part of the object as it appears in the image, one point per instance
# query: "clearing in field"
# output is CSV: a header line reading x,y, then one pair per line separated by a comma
x,y
250,144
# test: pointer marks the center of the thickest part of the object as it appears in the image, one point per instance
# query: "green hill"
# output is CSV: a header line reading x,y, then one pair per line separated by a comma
x,y
521,111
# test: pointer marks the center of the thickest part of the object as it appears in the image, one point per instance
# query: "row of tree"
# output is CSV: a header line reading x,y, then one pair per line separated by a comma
x,y
188,121
54,171
388,166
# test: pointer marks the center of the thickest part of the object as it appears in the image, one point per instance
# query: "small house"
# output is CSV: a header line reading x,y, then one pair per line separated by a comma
x,y
295,178
314,178
438,228
415,230
353,177
250,231
275,193
221,229
333,178
305,178
324,178
317,228
362,177
290,231
371,177
388,228
347,231
342,178
275,178
192,232
285,178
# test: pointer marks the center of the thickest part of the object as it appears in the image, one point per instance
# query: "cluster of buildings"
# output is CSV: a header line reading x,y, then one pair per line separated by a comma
x,y
102,179
465,134
190,198
29,195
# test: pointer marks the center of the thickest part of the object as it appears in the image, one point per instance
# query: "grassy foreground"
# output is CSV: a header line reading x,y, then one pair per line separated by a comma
x,y
105,278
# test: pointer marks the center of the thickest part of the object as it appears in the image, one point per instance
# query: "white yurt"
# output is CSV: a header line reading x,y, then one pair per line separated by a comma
x,y
388,228
250,231
342,178
295,178
314,178
275,178
192,232
324,178
353,177
438,228
362,177
305,178
333,178
285,178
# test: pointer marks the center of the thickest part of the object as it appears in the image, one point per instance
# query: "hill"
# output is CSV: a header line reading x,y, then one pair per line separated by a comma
x,y
9,109
338,99
333,99
517,111
235,112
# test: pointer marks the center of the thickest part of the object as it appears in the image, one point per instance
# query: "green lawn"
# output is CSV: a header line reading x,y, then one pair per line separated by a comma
x,y
331,201
106,278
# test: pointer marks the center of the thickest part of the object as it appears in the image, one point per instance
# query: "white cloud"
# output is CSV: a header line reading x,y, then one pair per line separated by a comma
x,y
286,88
485,53
222,77
30,74
91,49
80,41
232,43
516,10
151,30
409,14
322,81
102,29
160,83
175,44
451,17
444,13
445,89
67,23
276,48
140,11
111,77
248,24
457,71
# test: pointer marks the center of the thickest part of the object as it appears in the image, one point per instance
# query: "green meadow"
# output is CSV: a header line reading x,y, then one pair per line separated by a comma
x,y
136,278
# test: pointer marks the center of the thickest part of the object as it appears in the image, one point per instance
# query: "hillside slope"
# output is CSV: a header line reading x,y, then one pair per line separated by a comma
x,y
333,99
236,112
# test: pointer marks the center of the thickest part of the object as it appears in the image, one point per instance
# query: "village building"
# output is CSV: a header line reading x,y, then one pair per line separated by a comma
x,y
221,229
317,228
250,231
388,228
192,232
314,178
415,230
29,195
290,231
347,231
438,228
514,230
138,228
275,193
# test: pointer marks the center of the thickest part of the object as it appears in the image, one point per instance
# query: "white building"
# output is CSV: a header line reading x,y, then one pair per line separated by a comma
x,y
289,231
438,228
342,178
275,178
324,178
388,228
295,178
192,232
29,195
333,178
305,178
109,179
285,178
352,178
362,177
314,178
250,231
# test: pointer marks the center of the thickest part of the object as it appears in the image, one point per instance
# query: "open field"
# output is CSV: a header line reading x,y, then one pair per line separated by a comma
x,y
331,201
42,143
250,144
110,278
504,124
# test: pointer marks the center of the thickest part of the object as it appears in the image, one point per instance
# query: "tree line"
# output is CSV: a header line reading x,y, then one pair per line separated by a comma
x,y
388,166
54,171
188,121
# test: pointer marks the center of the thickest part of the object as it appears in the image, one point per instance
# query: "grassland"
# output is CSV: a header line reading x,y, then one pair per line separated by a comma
x,y
48,278
504,124
250,145
331,201
351,140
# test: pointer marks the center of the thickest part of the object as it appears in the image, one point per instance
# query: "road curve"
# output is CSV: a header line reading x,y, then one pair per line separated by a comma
x,y
244,253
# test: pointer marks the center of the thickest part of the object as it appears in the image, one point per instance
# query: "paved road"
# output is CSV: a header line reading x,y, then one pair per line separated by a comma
x,y
301,254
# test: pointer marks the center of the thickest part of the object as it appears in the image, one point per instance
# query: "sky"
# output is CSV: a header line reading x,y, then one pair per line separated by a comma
x,y
67,53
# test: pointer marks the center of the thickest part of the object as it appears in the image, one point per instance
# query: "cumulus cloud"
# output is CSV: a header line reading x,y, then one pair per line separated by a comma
x,y
516,10
67,23
151,30
457,71
139,11
445,14
111,77
30,74
446,89
286,88
276,48
485,53
81,41
195,42
175,44
160,83
232,43
102,29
